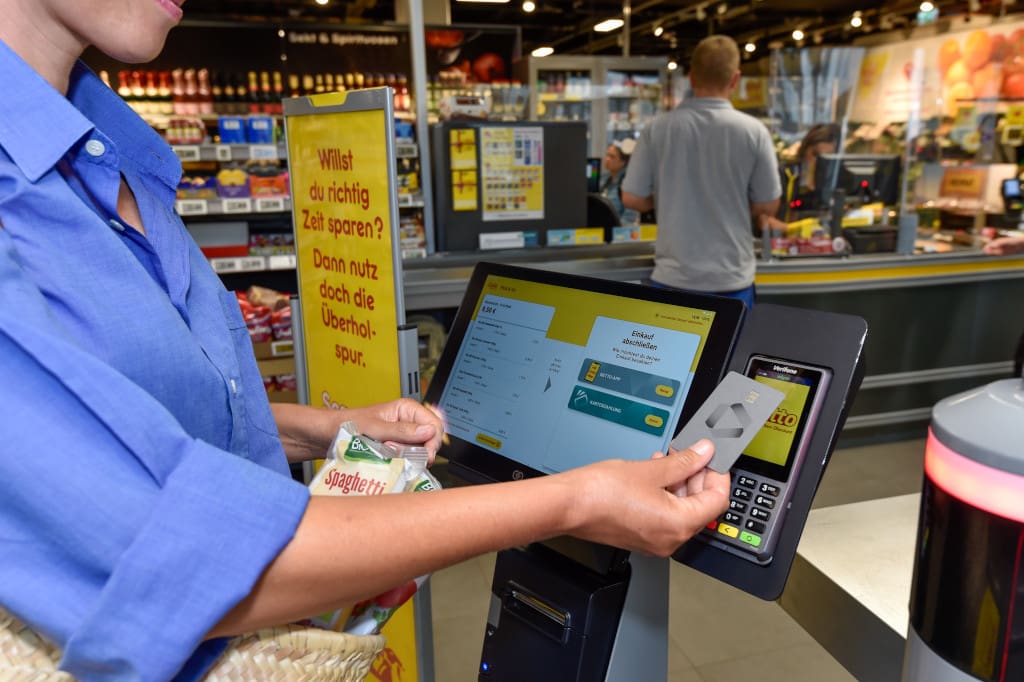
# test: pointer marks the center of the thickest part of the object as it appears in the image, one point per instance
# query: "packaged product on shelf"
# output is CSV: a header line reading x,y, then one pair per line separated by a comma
x,y
232,182
403,131
197,187
271,243
263,296
281,324
411,231
232,130
260,129
257,319
286,382
267,179
269,384
258,322
185,130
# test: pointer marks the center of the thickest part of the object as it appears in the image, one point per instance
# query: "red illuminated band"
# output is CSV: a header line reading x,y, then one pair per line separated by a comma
x,y
997,492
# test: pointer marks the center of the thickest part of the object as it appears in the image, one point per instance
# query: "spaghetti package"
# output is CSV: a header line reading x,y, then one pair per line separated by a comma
x,y
359,465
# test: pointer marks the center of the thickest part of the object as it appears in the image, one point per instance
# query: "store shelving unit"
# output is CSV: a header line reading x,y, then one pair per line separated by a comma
x,y
616,96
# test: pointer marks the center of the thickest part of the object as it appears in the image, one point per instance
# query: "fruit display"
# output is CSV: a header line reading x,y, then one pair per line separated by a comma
x,y
985,64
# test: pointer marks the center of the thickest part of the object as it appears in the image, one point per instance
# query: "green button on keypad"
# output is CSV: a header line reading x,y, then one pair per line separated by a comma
x,y
750,539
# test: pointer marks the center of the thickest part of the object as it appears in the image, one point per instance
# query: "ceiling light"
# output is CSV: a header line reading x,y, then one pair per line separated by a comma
x,y
701,14
543,51
856,20
927,6
722,9
798,35
658,30
608,25
672,66
750,46
492,2
322,2
529,6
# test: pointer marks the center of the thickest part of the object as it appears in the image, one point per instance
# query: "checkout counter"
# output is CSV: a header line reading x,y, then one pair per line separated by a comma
x,y
939,322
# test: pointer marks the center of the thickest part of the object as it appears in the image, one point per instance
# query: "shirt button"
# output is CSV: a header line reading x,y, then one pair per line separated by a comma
x,y
95,148
116,225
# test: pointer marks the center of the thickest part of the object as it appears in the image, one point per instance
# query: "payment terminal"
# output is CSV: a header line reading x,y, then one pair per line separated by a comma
x,y
762,477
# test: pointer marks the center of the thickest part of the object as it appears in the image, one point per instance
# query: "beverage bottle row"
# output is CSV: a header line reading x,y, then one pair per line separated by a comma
x,y
315,83
201,91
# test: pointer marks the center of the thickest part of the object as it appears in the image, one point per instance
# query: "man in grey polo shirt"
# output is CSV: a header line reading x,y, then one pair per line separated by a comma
x,y
710,172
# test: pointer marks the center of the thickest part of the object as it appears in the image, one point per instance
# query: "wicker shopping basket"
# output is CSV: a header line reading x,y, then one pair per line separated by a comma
x,y
291,652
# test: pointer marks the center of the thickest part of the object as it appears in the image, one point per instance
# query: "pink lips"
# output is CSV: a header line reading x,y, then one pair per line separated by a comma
x,y
172,7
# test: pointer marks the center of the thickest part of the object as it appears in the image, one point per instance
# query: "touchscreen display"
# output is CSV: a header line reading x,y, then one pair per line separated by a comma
x,y
773,448
553,377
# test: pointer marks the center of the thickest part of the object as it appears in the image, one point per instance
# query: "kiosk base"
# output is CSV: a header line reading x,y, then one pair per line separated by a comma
x,y
552,618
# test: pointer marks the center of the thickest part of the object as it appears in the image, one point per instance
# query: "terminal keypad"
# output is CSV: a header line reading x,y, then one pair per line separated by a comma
x,y
751,508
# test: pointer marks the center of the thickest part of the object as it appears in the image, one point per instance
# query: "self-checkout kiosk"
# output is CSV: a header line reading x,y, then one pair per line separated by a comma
x,y
546,371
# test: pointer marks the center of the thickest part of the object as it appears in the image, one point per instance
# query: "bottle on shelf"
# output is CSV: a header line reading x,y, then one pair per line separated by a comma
x,y
124,86
278,94
138,92
318,81
308,87
230,95
204,94
339,81
191,99
241,95
165,104
266,97
217,92
152,92
178,92
253,91
328,82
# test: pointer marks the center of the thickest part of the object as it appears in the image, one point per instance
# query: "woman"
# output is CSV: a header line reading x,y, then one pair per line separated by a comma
x,y
616,158
799,190
146,511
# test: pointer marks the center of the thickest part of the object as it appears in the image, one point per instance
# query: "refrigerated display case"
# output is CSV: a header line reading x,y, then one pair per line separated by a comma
x,y
615,96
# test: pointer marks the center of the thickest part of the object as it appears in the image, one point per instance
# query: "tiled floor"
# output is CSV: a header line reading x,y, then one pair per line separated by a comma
x,y
716,633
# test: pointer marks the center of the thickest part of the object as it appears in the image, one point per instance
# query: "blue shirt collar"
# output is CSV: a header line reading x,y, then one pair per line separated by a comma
x,y
39,126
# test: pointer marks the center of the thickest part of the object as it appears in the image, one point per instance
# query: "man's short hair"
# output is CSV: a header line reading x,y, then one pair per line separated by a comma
x,y
714,61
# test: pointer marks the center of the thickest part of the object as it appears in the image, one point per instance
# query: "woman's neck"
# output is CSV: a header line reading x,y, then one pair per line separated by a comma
x,y
44,44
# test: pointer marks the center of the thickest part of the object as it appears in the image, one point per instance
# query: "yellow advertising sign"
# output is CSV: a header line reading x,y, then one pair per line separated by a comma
x,y
965,183
338,165
772,443
513,172
464,190
343,203
462,147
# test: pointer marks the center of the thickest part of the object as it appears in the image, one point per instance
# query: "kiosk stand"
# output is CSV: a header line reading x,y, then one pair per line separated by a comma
x,y
544,371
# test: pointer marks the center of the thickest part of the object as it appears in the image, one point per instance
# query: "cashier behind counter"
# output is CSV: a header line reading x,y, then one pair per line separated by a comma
x,y
799,188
